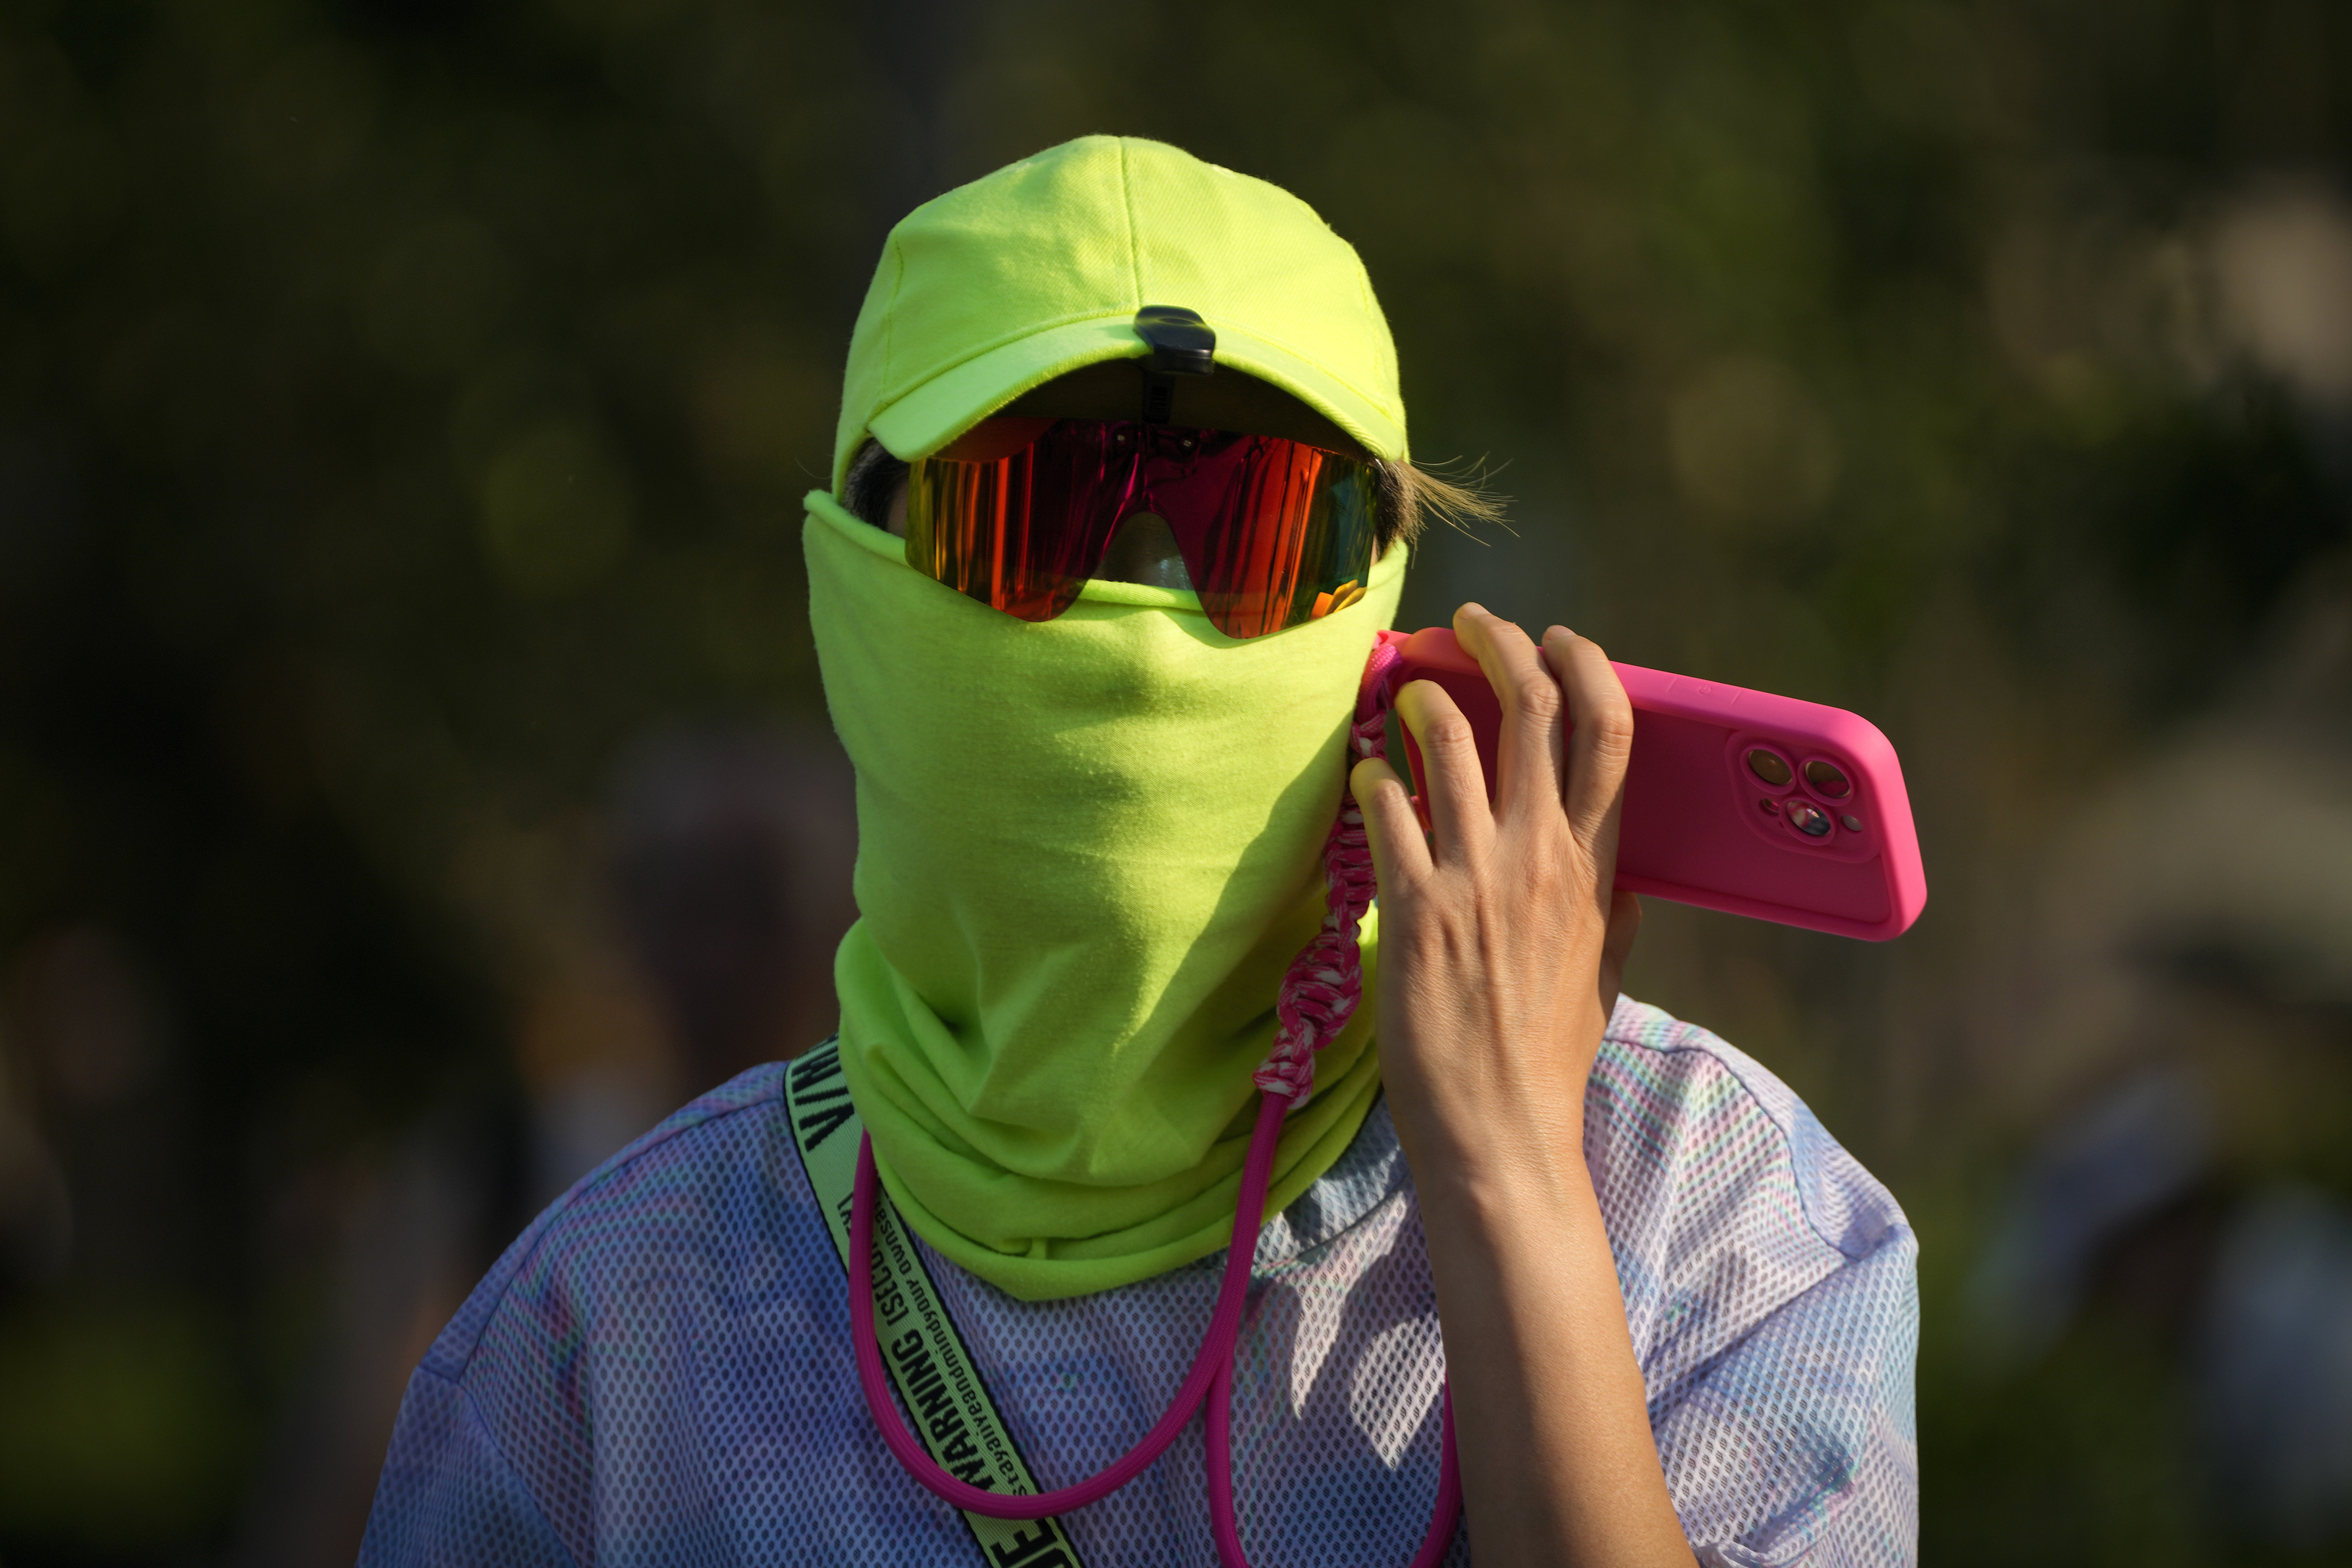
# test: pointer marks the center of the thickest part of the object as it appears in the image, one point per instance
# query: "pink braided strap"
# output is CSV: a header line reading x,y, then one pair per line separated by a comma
x,y
1325,982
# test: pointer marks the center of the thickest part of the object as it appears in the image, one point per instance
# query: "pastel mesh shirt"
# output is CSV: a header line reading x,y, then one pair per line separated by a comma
x,y
659,1370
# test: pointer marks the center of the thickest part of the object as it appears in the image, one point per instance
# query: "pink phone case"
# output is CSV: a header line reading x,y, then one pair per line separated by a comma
x,y
1727,796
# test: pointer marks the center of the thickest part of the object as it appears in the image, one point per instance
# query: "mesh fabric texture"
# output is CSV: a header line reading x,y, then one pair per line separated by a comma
x,y
659,1370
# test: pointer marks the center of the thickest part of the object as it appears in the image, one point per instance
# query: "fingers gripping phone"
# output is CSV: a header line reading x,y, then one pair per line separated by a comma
x,y
1734,800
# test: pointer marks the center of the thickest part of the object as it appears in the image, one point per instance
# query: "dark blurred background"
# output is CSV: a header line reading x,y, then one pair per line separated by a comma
x,y
413,779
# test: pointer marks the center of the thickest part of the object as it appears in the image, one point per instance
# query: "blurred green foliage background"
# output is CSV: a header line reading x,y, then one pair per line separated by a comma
x,y
403,410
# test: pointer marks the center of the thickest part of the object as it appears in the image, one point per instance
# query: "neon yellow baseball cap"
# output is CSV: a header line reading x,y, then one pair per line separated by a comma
x,y
1039,269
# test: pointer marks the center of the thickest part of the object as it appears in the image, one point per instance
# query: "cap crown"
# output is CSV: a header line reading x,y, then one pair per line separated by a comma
x,y
1038,269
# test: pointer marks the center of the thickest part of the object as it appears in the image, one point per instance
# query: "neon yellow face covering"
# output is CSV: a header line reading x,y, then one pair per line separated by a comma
x,y
1087,850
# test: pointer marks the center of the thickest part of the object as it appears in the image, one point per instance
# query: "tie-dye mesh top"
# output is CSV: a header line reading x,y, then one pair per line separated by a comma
x,y
659,1370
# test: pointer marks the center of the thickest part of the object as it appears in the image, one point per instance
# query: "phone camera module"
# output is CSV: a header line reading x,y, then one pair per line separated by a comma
x,y
1826,779
1770,767
1808,819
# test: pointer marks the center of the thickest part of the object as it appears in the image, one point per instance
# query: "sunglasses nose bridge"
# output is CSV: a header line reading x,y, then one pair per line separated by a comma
x,y
1132,496
1143,549
1163,463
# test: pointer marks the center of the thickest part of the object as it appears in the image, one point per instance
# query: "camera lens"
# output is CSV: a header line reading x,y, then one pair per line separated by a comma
x,y
1808,818
1827,779
1768,767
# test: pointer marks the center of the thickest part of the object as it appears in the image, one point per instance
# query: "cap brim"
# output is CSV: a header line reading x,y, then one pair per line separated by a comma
x,y
943,407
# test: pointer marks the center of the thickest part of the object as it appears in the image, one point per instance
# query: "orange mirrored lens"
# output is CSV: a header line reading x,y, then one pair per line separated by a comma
x,y
1298,529
1006,530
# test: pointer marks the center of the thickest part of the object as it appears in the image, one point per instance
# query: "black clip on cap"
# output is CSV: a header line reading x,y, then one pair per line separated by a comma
x,y
1182,344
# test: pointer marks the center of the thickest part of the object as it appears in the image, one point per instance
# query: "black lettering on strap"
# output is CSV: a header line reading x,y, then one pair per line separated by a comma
x,y
821,1063
933,1372
823,1124
930,1403
1026,1551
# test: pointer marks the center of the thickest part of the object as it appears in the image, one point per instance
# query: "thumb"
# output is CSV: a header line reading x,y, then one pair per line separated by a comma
x,y
1399,850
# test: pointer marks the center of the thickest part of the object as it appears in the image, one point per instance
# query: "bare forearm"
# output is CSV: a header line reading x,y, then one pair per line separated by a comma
x,y
1559,1465
1502,946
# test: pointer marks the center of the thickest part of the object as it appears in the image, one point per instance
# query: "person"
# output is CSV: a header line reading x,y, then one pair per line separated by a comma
x,y
1121,504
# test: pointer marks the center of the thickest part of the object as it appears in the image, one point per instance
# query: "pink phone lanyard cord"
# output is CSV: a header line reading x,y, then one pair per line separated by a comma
x,y
1319,995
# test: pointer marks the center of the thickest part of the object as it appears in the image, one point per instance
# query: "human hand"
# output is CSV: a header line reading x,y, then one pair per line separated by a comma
x,y
1502,940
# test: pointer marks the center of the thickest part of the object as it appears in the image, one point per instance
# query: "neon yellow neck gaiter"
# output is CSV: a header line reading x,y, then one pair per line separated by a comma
x,y
1087,850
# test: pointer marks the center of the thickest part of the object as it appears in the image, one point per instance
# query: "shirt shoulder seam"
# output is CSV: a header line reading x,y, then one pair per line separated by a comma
x,y
1698,1374
1786,1135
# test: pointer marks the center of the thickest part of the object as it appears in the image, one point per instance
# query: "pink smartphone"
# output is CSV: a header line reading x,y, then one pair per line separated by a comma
x,y
1734,800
